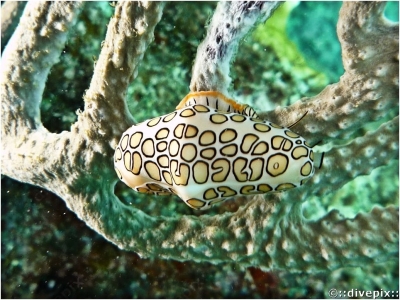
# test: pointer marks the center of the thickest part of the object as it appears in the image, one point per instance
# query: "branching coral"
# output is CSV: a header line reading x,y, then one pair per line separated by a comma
x,y
269,233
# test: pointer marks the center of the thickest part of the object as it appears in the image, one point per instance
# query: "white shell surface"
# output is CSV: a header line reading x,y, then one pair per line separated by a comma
x,y
205,156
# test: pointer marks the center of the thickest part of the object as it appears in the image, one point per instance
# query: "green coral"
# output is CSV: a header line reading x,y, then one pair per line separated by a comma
x,y
62,98
270,71
273,34
164,74
362,194
317,19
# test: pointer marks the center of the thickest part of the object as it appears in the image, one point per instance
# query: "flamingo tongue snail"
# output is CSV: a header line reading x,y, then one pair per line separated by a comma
x,y
211,148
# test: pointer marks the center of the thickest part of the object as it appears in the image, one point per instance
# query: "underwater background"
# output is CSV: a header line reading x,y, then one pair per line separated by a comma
x,y
47,252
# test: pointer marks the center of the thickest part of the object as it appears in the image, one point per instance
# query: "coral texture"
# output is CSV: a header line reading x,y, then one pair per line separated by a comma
x,y
269,233
231,23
